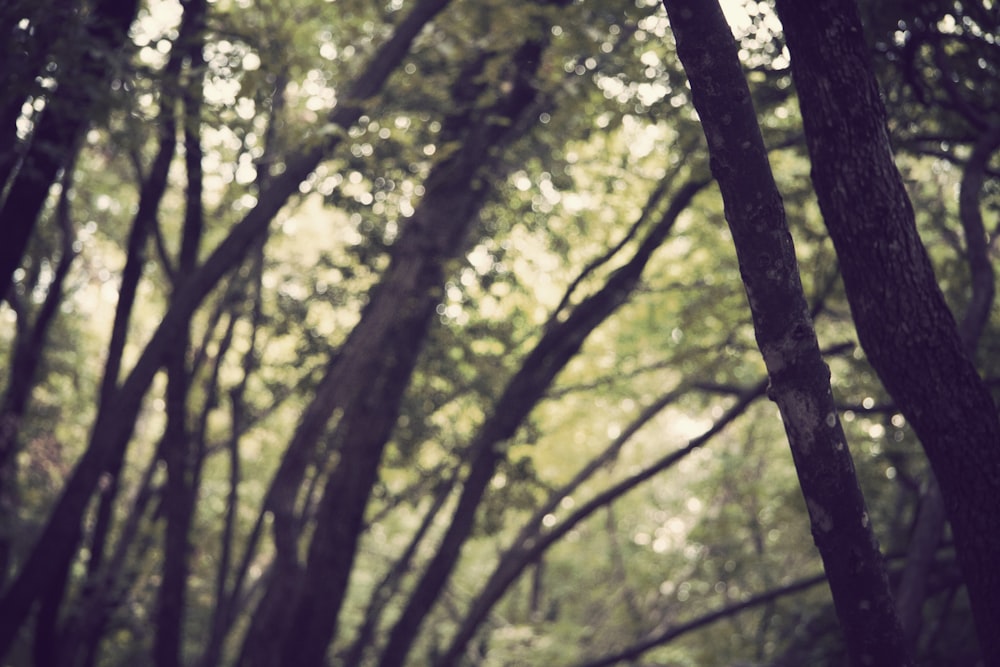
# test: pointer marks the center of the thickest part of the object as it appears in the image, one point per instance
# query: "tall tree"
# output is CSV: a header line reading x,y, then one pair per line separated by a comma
x,y
183,444
800,379
366,379
903,322
926,56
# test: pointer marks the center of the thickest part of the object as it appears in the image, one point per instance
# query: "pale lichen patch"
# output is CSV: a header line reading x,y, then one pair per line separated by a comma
x,y
801,414
774,357
821,519
780,354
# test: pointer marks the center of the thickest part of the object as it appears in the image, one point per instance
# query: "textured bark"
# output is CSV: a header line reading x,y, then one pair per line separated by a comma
x,y
902,320
800,379
931,518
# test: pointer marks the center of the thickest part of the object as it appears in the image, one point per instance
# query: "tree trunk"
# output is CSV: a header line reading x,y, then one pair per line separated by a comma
x,y
66,116
902,320
931,519
298,617
35,31
800,379
25,363
532,541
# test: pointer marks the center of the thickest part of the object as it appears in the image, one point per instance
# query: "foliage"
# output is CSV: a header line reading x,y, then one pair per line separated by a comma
x,y
648,483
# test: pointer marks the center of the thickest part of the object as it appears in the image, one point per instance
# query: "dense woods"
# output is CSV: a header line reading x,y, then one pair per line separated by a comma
x,y
541,332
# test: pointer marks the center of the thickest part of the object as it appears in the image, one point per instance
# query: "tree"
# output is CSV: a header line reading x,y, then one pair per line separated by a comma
x,y
917,67
402,333
799,379
902,319
382,352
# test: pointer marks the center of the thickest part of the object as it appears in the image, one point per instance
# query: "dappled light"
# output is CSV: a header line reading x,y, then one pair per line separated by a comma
x,y
495,333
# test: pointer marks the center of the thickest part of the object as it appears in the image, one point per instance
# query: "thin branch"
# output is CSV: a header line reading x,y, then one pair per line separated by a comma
x,y
633,652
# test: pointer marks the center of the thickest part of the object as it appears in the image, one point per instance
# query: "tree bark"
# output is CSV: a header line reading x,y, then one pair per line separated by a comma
x,y
181,452
902,320
800,379
931,519
559,344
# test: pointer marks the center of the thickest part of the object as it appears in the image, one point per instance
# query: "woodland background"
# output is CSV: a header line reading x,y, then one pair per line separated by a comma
x,y
413,333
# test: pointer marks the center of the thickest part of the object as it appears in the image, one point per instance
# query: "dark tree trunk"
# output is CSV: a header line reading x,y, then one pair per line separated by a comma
x,y
178,508
26,358
32,34
62,123
181,453
902,320
800,379
559,344
391,583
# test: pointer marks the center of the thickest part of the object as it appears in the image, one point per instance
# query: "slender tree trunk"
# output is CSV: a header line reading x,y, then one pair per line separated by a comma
x,y
531,542
26,357
35,31
181,453
549,356
800,379
224,610
982,277
154,187
177,509
902,320
392,581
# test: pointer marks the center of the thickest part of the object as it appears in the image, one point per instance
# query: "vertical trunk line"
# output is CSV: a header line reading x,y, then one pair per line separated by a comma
x,y
800,379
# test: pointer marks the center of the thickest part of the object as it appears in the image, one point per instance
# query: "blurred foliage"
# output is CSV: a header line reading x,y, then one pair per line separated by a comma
x,y
723,524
